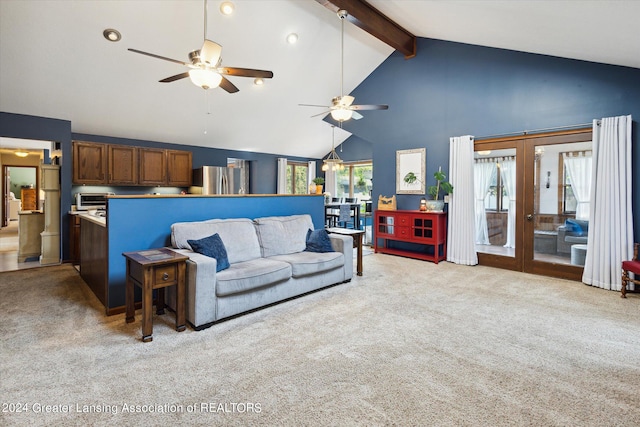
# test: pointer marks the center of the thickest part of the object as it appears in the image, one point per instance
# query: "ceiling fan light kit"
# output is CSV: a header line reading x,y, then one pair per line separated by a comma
x,y
206,79
206,70
341,108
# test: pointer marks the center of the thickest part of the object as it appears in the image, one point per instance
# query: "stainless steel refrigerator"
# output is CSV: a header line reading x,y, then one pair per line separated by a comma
x,y
221,180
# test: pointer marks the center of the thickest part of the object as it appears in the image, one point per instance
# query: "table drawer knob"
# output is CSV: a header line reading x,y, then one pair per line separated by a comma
x,y
165,276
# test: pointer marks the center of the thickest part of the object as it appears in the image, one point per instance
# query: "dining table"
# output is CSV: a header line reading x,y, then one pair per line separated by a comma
x,y
346,212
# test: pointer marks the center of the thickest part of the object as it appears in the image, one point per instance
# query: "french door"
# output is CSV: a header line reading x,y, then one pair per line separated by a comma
x,y
532,202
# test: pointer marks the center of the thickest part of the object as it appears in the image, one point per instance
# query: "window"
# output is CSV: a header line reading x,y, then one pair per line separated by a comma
x,y
569,202
355,180
297,174
492,202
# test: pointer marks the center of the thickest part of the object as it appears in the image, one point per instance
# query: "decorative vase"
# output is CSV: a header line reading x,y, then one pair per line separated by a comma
x,y
318,188
312,188
435,205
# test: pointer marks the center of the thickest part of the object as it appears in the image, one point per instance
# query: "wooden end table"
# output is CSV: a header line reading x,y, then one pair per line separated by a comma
x,y
357,243
155,269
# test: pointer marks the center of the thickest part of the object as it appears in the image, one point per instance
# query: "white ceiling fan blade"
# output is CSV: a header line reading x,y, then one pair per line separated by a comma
x,y
355,115
210,52
346,100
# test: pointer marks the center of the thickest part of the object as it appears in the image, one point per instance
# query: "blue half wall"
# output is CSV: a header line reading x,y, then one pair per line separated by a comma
x,y
137,223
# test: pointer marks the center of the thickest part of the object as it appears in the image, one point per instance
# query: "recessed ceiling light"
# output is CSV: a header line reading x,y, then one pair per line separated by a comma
x,y
227,8
258,82
112,35
292,38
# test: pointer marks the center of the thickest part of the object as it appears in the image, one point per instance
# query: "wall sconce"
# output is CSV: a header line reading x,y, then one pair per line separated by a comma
x,y
548,179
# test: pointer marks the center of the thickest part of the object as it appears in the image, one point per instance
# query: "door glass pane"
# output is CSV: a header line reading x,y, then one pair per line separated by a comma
x,y
562,183
495,190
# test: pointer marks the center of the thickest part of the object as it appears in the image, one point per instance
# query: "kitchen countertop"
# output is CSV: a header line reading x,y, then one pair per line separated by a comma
x,y
100,220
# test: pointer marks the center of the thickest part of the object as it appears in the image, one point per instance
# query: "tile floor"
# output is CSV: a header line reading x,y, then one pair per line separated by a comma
x,y
9,249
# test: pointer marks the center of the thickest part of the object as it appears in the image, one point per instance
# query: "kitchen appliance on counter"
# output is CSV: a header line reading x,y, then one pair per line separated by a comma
x,y
222,180
91,201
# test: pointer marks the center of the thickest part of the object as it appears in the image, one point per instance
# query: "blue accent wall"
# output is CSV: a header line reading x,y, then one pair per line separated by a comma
x,y
453,89
137,223
355,148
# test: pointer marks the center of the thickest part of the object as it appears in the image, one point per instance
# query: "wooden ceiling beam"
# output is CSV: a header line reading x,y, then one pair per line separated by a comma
x,y
365,16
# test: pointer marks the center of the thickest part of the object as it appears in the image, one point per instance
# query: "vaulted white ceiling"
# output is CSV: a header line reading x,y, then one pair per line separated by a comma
x,y
54,61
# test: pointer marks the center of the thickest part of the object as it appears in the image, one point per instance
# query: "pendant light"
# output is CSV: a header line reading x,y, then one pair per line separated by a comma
x,y
333,162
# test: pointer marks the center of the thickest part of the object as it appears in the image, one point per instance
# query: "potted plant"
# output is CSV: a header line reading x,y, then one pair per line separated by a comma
x,y
319,182
442,186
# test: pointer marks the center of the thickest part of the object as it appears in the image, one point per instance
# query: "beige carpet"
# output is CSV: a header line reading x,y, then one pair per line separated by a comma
x,y
409,343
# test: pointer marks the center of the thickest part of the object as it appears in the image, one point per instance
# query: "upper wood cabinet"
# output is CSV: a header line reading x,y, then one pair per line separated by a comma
x,y
89,163
123,165
153,167
179,173
111,164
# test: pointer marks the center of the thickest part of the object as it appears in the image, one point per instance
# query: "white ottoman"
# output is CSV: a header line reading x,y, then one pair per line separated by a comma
x,y
578,254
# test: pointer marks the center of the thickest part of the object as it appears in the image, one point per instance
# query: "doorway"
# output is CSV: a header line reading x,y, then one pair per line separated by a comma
x,y
532,202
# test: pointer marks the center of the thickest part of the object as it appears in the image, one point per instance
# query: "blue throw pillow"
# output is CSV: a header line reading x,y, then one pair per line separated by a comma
x,y
213,247
318,241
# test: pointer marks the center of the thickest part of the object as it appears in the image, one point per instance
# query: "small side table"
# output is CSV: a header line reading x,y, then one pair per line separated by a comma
x,y
357,243
155,269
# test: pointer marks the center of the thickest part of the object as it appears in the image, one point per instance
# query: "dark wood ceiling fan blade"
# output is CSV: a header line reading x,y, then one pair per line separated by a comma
x,y
174,78
153,55
228,86
245,72
369,107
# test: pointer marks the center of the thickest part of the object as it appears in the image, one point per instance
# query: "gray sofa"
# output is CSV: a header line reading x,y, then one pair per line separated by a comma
x,y
268,264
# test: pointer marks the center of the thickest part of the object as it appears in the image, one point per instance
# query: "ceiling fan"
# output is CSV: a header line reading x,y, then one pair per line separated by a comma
x,y
206,70
342,107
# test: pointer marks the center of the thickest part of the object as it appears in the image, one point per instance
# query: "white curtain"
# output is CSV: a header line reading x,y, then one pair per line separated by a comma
x,y
330,181
461,248
579,170
483,172
508,175
610,238
311,172
281,185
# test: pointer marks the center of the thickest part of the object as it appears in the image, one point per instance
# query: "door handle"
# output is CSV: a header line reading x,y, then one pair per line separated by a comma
x,y
530,217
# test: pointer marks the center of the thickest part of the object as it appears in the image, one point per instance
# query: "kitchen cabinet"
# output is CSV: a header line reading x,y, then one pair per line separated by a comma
x,y
426,230
179,169
111,164
74,239
89,163
123,165
153,167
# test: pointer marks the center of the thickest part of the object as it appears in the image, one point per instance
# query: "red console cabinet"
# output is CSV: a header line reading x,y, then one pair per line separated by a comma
x,y
428,229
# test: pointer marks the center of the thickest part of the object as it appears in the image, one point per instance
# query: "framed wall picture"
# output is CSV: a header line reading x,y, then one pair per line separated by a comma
x,y
410,171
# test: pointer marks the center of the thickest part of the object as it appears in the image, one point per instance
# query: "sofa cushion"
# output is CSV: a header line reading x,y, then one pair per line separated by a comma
x,y
248,275
239,236
306,263
318,241
280,235
212,247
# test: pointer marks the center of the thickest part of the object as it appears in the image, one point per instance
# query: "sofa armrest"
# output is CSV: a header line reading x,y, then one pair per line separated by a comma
x,y
344,244
201,304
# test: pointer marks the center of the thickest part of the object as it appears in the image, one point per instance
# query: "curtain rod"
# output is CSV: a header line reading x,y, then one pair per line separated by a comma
x,y
529,132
